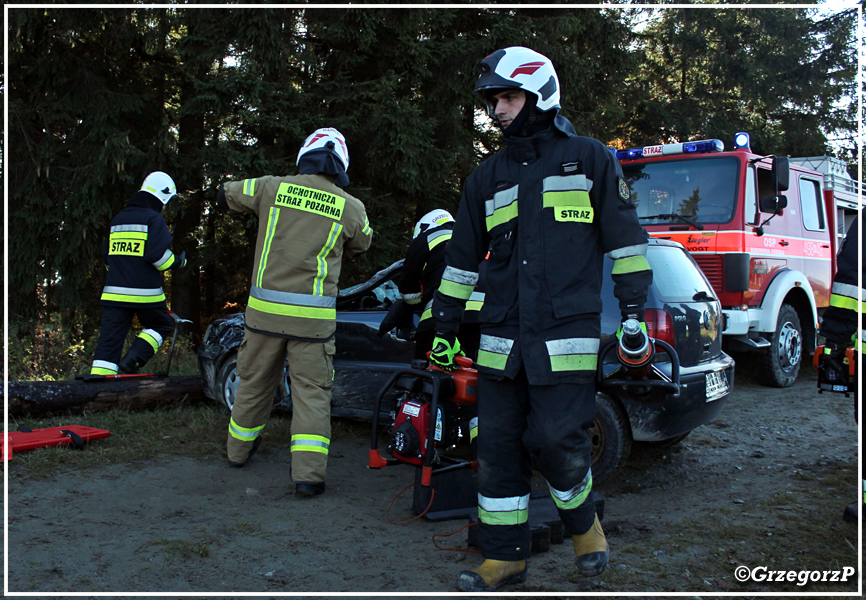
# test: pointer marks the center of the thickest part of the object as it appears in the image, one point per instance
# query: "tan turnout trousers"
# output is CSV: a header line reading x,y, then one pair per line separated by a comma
x,y
311,373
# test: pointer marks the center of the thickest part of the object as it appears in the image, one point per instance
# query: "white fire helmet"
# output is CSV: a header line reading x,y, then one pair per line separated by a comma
x,y
160,185
432,219
320,140
522,68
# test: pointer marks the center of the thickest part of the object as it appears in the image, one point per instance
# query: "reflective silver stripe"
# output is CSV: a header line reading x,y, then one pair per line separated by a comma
x,y
509,504
581,489
636,250
438,234
412,298
567,183
165,257
460,276
113,289
572,346
292,298
104,364
846,289
500,200
476,297
496,345
154,334
119,228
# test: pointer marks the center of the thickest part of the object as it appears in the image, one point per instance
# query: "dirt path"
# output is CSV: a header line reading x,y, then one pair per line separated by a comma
x,y
762,486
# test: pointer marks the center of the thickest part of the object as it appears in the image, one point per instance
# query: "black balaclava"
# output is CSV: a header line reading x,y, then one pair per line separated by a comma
x,y
529,120
324,161
147,200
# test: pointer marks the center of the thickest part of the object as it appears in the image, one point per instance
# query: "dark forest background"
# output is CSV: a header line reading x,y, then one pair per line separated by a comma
x,y
99,97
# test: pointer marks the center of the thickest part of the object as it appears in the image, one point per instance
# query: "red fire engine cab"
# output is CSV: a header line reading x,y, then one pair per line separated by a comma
x,y
764,230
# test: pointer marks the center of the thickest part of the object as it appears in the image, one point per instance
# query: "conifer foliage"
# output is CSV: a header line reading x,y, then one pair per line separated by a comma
x,y
99,97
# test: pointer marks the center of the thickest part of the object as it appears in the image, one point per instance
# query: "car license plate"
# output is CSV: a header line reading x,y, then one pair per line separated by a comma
x,y
717,385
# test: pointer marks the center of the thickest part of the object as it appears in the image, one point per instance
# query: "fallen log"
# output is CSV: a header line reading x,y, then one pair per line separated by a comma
x,y
74,397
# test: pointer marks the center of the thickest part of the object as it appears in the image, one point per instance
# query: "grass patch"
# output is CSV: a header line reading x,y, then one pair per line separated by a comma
x,y
194,430
185,549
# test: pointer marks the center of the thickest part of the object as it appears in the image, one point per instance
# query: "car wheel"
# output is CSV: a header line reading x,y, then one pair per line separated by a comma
x,y
610,435
227,384
781,362
666,443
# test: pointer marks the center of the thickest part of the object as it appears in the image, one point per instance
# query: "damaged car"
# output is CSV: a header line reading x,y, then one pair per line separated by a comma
x,y
680,310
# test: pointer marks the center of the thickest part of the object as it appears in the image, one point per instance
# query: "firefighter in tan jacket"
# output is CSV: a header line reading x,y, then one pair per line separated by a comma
x,y
306,224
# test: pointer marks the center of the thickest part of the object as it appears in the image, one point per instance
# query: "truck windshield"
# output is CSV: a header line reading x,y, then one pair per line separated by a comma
x,y
702,191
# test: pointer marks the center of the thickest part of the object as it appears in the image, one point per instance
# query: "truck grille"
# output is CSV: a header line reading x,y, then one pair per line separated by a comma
x,y
714,270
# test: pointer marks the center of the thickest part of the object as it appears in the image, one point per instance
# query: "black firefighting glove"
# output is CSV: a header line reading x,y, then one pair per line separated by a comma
x,y
832,364
179,261
445,348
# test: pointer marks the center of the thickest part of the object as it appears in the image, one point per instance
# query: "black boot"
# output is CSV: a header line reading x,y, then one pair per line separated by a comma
x,y
850,513
128,365
256,443
310,488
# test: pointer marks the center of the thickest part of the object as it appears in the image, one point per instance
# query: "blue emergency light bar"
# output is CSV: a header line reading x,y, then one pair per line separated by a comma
x,y
668,149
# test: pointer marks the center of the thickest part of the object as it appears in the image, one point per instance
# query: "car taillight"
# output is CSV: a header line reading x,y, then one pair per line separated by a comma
x,y
659,325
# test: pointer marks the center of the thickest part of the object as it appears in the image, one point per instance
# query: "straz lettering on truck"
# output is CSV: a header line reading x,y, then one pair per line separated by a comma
x,y
310,200
126,247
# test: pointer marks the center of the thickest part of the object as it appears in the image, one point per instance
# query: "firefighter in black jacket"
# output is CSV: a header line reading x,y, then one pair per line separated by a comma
x,y
136,253
548,207
839,324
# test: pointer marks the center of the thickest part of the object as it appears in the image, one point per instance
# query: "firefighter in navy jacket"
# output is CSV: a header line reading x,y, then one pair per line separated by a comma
x,y
548,207
422,272
841,321
136,253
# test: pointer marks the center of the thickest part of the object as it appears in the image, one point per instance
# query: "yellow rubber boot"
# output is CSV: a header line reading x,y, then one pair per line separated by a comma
x,y
591,551
492,574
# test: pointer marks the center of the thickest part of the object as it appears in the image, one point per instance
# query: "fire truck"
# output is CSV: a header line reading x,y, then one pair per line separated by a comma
x,y
765,231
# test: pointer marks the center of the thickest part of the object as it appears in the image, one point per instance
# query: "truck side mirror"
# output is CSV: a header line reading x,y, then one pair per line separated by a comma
x,y
781,173
773,204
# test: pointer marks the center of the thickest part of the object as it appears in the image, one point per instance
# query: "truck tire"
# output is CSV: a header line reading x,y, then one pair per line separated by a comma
x,y
780,364
227,383
610,435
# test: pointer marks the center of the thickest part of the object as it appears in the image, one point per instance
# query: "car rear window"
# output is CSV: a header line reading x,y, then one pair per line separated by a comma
x,y
676,277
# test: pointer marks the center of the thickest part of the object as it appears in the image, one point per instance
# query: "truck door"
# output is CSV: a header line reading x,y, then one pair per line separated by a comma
x,y
815,245
770,252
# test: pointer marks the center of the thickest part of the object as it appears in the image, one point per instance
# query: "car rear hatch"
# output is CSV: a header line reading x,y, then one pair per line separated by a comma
x,y
686,315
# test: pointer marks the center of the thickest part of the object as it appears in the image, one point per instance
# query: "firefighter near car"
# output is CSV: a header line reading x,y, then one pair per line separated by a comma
x,y
762,229
540,322
836,361
137,253
307,223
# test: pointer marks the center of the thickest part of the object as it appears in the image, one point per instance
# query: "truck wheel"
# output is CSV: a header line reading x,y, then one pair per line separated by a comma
x,y
610,435
227,383
781,362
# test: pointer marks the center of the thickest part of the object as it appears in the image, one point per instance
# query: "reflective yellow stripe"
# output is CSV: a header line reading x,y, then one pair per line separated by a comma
x,y
136,299
367,230
502,215
503,518
154,343
843,302
630,264
574,362
569,198
291,310
322,260
273,217
456,290
310,443
167,264
244,434
250,187
438,240
573,497
492,360
100,371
